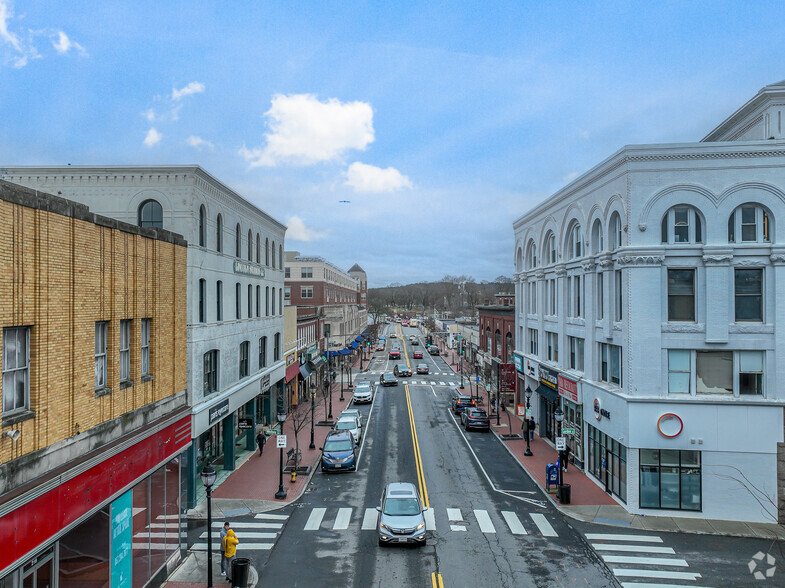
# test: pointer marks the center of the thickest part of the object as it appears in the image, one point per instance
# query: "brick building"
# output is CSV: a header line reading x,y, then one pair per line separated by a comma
x,y
94,412
497,341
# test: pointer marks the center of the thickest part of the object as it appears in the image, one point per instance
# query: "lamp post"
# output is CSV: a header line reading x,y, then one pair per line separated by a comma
x,y
330,392
528,451
208,479
281,492
558,416
460,361
313,401
342,368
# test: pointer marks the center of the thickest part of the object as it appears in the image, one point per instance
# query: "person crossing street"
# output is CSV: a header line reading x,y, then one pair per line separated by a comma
x,y
229,546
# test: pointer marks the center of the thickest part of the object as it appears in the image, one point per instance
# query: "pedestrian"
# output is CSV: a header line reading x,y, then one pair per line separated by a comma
x,y
532,425
224,530
230,552
261,439
525,429
565,457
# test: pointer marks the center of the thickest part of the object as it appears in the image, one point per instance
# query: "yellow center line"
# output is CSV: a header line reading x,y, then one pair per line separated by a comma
x,y
436,580
417,456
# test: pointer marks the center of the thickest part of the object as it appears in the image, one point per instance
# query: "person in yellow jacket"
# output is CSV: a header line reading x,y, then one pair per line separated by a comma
x,y
230,552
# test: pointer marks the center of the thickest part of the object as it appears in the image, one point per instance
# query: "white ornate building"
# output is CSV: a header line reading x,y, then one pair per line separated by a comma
x,y
649,307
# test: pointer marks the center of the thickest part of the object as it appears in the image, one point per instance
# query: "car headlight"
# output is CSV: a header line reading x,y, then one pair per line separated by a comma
x,y
385,528
418,527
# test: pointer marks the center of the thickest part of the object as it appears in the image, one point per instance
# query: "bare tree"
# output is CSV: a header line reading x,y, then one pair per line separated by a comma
x,y
299,417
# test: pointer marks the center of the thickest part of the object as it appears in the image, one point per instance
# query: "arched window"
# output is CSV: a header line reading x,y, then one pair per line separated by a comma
x,y
150,214
267,301
280,300
498,340
508,347
219,233
250,301
202,301
550,248
750,223
202,226
273,248
272,303
682,224
250,245
238,238
258,301
575,241
267,252
531,255
597,244
258,247
518,260
280,256
219,300
488,340
614,237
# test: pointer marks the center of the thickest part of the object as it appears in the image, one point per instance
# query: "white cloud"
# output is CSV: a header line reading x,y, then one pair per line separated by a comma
x,y
199,143
22,50
149,114
369,178
63,44
152,137
192,88
304,131
297,231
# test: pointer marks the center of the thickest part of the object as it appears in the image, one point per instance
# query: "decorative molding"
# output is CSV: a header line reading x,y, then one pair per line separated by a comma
x,y
561,271
617,327
588,265
749,263
641,259
574,320
539,274
751,328
606,262
777,258
722,259
683,328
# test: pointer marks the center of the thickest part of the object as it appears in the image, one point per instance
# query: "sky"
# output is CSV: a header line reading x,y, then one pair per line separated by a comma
x,y
403,136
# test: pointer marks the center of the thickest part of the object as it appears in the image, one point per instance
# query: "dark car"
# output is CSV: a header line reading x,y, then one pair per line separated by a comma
x,y
414,342
402,370
433,350
422,368
394,354
459,403
388,379
475,418
338,453
417,355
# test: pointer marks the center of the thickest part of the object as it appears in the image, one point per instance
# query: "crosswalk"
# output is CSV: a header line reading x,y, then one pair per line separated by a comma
x,y
641,561
256,535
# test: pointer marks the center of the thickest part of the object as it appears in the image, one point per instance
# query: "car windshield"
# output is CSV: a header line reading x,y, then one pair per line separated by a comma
x,y
478,413
345,425
342,445
401,507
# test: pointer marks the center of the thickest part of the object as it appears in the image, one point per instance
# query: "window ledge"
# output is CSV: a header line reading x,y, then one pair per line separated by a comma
x,y
126,384
147,378
102,392
18,417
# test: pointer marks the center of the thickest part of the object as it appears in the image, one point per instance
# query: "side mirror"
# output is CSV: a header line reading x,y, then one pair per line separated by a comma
x,y
379,508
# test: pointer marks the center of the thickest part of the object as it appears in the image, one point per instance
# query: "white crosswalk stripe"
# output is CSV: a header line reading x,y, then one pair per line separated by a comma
x,y
430,520
543,525
315,519
257,535
516,528
484,520
370,519
342,520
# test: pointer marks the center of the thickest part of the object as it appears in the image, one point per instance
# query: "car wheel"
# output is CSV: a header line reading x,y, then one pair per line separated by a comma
x,y
381,543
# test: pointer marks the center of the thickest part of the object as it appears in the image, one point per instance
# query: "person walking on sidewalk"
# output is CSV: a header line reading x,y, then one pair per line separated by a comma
x,y
261,439
532,425
230,552
224,530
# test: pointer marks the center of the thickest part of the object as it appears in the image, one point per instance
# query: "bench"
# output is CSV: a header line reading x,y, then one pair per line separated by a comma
x,y
293,458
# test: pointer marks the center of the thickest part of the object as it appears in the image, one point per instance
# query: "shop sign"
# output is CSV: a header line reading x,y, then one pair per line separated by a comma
x,y
219,411
549,378
244,423
599,411
566,432
122,537
518,360
264,384
520,409
248,269
290,358
507,378
670,425
568,389
532,369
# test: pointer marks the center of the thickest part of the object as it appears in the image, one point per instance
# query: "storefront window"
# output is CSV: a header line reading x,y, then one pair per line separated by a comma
x,y
84,553
670,479
608,462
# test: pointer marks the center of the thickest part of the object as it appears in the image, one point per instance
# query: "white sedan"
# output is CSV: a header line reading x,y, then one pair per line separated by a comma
x,y
351,424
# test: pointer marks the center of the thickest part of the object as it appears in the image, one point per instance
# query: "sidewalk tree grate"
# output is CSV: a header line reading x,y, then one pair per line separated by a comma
x,y
511,436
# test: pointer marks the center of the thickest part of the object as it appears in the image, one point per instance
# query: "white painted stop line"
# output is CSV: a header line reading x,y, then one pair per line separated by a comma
x,y
648,561
634,548
657,574
619,537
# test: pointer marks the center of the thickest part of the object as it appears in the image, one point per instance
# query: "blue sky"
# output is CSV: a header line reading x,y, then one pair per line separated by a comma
x,y
439,122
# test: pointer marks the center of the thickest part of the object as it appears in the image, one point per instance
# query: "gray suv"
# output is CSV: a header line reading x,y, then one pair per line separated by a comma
x,y
401,517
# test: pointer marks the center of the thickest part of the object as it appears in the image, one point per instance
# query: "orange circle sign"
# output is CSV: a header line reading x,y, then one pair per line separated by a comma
x,y
670,425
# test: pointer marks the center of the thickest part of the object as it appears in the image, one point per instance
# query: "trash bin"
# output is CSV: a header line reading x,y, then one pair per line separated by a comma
x,y
240,567
564,494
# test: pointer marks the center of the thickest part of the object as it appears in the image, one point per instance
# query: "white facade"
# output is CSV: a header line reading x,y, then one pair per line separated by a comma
x,y
667,259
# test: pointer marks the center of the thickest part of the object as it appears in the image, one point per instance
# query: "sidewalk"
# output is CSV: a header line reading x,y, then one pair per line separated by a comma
x,y
251,488
590,503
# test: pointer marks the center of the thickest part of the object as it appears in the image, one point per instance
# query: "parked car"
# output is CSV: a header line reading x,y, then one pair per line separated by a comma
x,y
402,370
433,350
415,342
388,379
363,393
338,453
422,368
352,412
394,354
401,515
351,424
393,335
417,355
380,347
460,402
475,418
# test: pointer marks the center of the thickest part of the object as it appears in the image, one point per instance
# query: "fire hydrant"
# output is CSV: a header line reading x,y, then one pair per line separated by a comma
x,y
294,476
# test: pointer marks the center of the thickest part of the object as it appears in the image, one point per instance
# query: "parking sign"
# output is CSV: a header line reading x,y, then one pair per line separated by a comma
x,y
280,442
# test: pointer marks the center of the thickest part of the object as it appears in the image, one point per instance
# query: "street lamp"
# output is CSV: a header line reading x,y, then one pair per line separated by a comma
x,y
528,451
343,368
208,479
558,416
460,362
281,492
313,401
330,392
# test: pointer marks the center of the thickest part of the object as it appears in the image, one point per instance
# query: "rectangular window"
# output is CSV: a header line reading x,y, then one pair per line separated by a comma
x,y
714,372
533,297
244,353
610,364
238,301
250,301
287,272
101,328
202,301
600,295
748,285
145,341
533,335
749,231
258,301
679,370
618,290
219,300
681,294
125,350
16,369
670,479
578,295
210,384
262,352
277,347
287,293
306,291
551,286
306,272
552,341
681,225
751,372
576,353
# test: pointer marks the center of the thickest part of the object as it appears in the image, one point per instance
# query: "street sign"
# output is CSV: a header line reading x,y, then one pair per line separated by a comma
x,y
520,409
561,443
568,431
477,379
280,441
